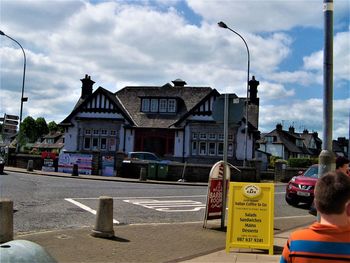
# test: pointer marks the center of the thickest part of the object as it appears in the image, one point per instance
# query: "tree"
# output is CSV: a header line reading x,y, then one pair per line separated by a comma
x,y
28,130
41,127
52,126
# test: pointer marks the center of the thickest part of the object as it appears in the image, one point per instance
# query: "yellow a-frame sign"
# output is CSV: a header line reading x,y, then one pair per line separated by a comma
x,y
250,216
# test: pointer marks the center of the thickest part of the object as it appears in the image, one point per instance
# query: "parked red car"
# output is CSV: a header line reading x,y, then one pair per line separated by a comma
x,y
300,189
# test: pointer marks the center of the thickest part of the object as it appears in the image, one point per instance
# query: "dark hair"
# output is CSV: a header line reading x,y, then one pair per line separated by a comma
x,y
332,192
340,161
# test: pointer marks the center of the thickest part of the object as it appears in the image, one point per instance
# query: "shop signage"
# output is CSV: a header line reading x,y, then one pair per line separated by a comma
x,y
67,160
215,188
250,216
108,165
48,161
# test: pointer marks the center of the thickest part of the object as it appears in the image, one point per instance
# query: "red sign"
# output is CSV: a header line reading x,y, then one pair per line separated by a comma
x,y
48,155
215,199
215,189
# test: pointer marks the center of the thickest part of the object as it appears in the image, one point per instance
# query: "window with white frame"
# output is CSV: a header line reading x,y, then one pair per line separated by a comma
x,y
113,132
212,136
220,148
103,132
94,143
145,105
220,136
50,141
171,105
194,135
299,143
230,137
230,149
87,132
202,148
95,132
103,143
212,148
194,148
154,105
269,139
87,143
163,105
203,136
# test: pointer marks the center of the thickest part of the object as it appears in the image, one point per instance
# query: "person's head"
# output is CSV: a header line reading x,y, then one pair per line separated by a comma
x,y
332,194
342,164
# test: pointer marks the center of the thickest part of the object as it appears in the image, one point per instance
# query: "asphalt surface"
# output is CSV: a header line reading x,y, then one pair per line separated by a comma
x,y
174,242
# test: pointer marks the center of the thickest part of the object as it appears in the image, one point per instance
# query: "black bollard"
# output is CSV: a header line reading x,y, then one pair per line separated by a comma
x,y
30,166
75,171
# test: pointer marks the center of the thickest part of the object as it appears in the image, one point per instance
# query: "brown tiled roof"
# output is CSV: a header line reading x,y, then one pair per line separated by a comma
x,y
187,97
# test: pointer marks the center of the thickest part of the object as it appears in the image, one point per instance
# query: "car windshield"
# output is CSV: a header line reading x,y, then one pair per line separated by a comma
x,y
312,172
145,156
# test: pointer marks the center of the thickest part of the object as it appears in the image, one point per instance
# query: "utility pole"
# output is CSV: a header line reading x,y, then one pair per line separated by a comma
x,y
326,157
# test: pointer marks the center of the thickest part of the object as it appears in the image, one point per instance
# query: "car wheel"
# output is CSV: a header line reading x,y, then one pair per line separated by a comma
x,y
292,202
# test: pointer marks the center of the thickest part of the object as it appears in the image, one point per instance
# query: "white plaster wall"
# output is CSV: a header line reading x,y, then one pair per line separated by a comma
x,y
71,138
241,145
275,149
99,115
121,138
178,144
200,118
129,141
187,141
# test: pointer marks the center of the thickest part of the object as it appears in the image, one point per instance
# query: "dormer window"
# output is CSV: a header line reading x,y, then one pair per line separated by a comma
x,y
154,105
158,105
145,105
163,105
299,143
171,105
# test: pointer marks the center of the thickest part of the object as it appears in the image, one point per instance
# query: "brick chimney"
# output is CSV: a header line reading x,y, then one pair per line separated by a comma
x,y
279,127
291,129
179,83
86,88
253,91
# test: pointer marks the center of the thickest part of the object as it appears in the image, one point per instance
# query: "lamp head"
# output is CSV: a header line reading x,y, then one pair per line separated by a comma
x,y
222,24
2,33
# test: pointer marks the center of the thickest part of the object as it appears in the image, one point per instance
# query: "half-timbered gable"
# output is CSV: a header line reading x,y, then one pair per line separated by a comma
x,y
179,121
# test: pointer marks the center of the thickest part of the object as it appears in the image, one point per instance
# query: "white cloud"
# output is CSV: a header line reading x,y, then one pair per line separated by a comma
x,y
135,43
341,53
268,16
306,114
271,91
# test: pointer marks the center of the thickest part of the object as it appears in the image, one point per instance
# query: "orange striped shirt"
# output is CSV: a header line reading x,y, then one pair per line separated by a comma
x,y
318,243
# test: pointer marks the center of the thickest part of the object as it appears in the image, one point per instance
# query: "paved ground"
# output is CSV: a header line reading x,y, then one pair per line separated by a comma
x,y
149,243
185,242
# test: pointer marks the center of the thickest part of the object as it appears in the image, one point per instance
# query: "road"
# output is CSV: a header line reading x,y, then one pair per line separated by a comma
x,y
45,203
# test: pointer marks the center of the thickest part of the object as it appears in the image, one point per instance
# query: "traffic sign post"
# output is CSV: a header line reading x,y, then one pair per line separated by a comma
x,y
10,123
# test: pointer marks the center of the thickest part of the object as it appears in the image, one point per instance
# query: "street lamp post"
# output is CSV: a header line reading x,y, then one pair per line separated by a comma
x,y
23,79
223,25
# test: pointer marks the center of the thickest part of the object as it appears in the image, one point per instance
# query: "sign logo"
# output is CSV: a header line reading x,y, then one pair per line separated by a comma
x,y
251,191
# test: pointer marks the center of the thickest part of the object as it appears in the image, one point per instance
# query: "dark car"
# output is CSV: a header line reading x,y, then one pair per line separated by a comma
x,y
300,189
145,156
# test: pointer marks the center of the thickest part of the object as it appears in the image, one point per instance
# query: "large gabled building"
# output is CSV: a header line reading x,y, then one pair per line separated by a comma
x,y
173,120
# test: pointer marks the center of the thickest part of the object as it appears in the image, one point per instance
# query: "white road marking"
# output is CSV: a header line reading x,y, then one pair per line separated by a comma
x,y
143,197
86,208
168,205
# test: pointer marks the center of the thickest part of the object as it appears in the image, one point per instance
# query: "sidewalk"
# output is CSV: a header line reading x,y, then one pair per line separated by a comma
x,y
176,242
149,243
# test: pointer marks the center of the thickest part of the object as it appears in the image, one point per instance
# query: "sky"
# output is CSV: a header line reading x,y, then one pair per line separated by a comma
x,y
154,42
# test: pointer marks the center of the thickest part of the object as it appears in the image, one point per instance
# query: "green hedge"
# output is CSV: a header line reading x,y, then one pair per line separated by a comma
x,y
302,162
272,161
